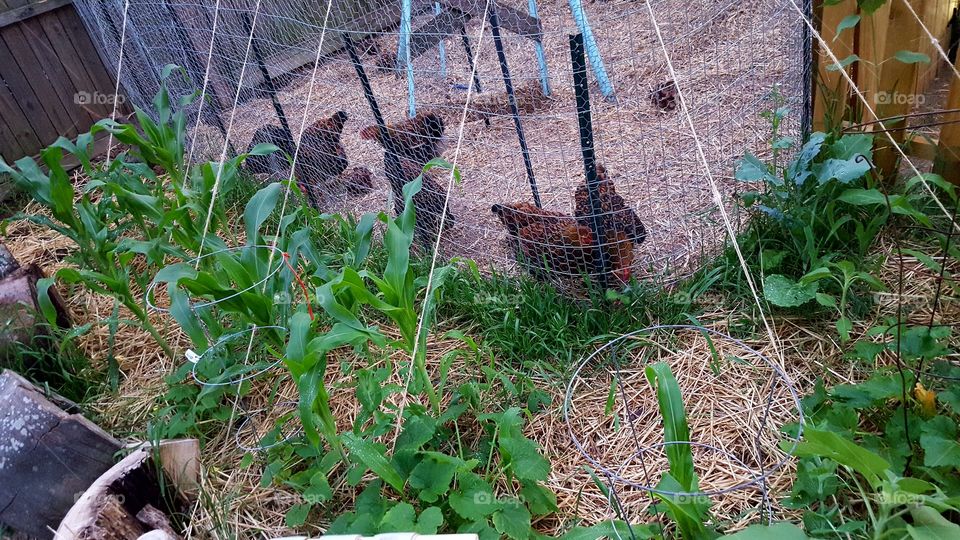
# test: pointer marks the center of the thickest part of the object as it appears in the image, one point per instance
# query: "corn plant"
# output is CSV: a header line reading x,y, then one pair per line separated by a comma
x,y
126,211
679,489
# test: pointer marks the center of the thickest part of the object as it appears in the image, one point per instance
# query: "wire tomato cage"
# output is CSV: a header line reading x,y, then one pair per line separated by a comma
x,y
743,411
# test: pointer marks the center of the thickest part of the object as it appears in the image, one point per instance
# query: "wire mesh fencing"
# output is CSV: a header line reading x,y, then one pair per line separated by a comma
x,y
493,87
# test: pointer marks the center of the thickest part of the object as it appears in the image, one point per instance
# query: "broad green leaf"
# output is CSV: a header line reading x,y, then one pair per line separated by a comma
x,y
843,171
911,57
751,169
938,438
928,524
429,521
473,499
781,291
432,476
512,519
540,500
297,515
850,21
400,518
526,461
831,445
372,457
843,63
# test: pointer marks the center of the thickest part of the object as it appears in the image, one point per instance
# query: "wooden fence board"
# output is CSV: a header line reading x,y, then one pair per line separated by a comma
x,y
21,128
46,59
24,95
72,61
10,148
53,67
899,79
948,159
82,43
12,14
831,97
29,65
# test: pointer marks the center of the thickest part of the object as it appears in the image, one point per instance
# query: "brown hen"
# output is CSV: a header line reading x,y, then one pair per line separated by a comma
x,y
615,216
554,242
408,146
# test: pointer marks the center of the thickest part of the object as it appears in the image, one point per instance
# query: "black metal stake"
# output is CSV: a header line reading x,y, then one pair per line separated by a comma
x,y
466,48
367,91
196,66
581,90
391,160
267,80
508,83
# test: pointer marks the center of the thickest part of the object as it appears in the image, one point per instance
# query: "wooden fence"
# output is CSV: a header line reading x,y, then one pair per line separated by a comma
x,y
52,79
890,78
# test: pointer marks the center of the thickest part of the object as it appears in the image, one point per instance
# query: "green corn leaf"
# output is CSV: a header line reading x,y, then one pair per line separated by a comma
x,y
258,209
675,427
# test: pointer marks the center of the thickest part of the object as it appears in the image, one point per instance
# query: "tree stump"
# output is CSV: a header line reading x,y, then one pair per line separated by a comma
x,y
47,457
21,321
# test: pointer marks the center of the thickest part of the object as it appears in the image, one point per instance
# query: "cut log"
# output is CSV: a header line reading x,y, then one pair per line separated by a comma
x,y
20,315
137,479
47,457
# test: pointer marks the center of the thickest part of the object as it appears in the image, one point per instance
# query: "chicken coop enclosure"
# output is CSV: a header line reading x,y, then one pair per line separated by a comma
x,y
670,96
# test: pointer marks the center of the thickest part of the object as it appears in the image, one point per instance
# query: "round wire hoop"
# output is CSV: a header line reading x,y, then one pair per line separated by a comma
x,y
229,338
757,476
278,253
262,448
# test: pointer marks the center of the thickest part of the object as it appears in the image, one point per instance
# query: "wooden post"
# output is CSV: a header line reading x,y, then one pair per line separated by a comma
x,y
947,163
831,91
898,84
871,43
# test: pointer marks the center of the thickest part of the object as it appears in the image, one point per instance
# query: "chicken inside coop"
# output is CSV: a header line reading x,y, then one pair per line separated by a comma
x,y
552,243
408,146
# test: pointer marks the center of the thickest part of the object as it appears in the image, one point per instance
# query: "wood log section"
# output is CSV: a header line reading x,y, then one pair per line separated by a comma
x,y
47,457
143,488
21,321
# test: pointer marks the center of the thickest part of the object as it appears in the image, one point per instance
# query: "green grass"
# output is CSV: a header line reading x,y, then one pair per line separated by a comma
x,y
532,324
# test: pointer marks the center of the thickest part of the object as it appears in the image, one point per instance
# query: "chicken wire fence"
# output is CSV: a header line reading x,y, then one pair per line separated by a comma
x,y
491,87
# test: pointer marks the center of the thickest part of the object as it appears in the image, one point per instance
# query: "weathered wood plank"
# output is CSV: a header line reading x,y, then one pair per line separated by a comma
x,y
948,157
47,457
10,148
74,64
512,20
897,79
446,24
27,11
96,68
832,92
24,95
29,65
52,67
